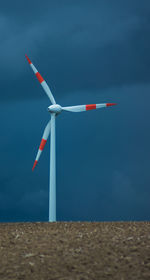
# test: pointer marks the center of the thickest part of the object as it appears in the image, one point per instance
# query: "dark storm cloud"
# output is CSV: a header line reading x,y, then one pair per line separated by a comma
x,y
75,45
88,52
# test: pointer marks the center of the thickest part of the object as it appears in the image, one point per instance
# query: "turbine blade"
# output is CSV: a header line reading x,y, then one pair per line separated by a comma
x,y
42,82
81,108
43,142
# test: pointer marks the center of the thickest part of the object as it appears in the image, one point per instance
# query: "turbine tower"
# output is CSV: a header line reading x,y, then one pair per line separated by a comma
x,y
54,110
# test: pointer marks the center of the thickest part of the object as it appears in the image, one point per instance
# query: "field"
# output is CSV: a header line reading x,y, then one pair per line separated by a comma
x,y
75,250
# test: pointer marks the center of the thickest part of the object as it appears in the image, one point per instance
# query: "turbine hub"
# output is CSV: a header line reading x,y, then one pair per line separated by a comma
x,y
55,109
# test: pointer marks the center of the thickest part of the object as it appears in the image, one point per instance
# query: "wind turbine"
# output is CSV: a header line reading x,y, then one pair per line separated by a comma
x,y
54,110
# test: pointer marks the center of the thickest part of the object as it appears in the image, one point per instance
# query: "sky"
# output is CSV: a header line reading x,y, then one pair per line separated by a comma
x,y
88,52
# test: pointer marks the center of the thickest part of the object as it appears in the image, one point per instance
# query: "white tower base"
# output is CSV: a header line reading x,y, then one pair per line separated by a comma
x,y
52,180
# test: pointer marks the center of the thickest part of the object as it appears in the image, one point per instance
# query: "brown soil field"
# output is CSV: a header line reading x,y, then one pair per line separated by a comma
x,y
75,250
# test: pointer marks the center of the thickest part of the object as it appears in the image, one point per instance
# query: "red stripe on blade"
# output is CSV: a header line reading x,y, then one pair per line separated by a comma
x,y
39,77
35,163
28,59
90,107
110,104
42,145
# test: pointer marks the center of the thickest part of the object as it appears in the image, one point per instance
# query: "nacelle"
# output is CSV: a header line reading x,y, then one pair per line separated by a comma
x,y
56,109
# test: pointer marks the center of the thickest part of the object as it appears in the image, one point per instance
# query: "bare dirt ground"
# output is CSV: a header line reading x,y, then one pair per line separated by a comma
x,y
75,250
